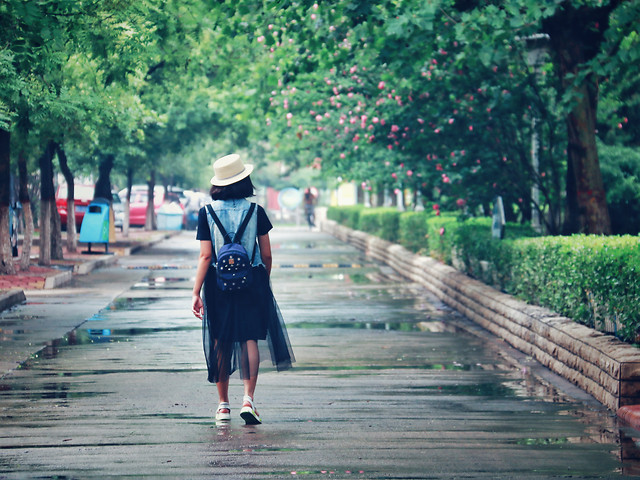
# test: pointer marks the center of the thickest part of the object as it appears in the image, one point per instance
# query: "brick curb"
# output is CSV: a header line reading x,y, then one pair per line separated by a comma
x,y
11,298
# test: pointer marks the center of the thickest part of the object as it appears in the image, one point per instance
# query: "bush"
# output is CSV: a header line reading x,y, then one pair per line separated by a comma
x,y
381,222
620,168
440,235
413,231
347,216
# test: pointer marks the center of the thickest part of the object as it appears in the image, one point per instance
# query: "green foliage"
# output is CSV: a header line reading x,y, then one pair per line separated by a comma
x,y
412,231
381,222
441,235
621,176
347,216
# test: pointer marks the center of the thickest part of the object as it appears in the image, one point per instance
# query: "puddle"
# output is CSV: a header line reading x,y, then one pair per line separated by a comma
x,y
391,326
377,368
110,335
131,303
47,391
158,282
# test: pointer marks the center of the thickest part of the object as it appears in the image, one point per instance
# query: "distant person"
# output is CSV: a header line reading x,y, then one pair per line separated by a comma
x,y
309,207
236,325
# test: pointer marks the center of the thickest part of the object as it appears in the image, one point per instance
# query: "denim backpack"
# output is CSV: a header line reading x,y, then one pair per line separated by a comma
x,y
233,265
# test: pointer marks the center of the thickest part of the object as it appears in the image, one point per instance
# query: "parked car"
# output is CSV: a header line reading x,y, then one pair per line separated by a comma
x,y
118,210
140,199
82,197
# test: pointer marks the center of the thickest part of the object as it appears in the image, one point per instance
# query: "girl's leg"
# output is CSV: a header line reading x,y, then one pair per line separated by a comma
x,y
252,357
222,385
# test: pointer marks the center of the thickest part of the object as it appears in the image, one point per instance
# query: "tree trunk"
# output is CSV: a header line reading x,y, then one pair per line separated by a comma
x,y
103,185
150,222
6,255
588,209
57,252
576,35
27,214
127,203
47,203
72,237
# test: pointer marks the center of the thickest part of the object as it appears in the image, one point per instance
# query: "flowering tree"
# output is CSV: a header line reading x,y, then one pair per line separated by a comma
x,y
441,94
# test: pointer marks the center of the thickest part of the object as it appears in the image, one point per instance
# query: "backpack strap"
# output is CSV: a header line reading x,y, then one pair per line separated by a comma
x,y
243,227
225,235
244,224
239,233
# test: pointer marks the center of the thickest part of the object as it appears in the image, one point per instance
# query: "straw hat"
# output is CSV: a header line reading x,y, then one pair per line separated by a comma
x,y
229,169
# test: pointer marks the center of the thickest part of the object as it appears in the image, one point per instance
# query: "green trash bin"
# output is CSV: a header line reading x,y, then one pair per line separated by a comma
x,y
95,224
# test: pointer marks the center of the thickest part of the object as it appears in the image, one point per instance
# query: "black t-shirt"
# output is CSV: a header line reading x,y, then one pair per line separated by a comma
x,y
203,232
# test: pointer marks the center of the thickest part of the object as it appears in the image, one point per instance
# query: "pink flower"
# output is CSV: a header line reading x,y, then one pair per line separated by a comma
x,y
442,231
439,167
394,128
318,118
260,39
461,202
394,175
342,155
409,173
289,116
436,206
381,85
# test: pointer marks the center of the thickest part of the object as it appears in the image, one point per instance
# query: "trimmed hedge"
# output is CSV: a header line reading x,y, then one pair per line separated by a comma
x,y
594,280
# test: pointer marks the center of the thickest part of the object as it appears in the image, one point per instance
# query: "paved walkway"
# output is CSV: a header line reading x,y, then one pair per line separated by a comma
x,y
388,383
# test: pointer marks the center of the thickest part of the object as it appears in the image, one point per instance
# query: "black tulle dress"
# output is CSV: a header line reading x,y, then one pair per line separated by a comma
x,y
230,319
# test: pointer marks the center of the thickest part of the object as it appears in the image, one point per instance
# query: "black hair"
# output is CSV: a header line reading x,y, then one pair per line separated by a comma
x,y
236,191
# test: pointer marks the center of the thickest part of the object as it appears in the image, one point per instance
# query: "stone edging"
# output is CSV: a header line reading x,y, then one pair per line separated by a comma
x,y
600,364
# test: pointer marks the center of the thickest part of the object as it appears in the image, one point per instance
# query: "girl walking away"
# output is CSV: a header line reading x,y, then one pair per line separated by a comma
x,y
241,321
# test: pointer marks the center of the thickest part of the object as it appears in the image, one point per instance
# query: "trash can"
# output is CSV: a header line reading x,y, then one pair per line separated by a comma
x,y
95,224
170,217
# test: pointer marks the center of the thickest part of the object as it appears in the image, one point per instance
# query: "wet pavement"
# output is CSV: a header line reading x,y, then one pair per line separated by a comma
x,y
388,383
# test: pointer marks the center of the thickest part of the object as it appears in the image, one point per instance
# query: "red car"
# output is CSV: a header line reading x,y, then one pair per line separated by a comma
x,y
83,196
139,201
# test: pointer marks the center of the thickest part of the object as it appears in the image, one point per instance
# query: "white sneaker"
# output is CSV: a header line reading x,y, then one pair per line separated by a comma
x,y
249,413
222,416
